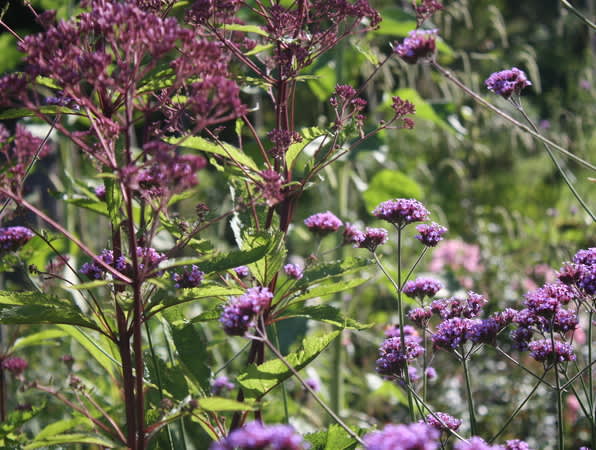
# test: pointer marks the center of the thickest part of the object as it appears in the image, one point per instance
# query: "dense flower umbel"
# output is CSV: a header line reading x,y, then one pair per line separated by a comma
x,y
13,238
401,212
452,333
419,44
422,287
188,278
582,272
256,436
450,422
414,436
507,82
15,365
430,234
371,238
409,330
420,316
456,307
323,223
239,312
542,351
392,358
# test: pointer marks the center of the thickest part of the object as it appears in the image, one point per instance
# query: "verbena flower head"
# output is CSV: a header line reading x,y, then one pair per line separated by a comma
x,y
401,212
586,257
546,300
420,316
15,365
238,314
452,333
419,44
242,271
409,330
455,307
422,287
13,238
483,331
430,234
371,238
294,271
323,223
221,384
430,373
516,444
449,422
521,337
188,278
256,436
352,234
507,82
392,357
564,321
542,351
476,443
414,436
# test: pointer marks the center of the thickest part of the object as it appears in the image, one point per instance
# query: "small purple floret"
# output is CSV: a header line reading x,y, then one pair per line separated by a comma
x,y
256,436
449,422
419,44
242,271
422,287
430,235
221,384
13,238
401,211
418,436
392,358
240,311
323,223
542,351
294,271
476,443
188,278
371,238
507,82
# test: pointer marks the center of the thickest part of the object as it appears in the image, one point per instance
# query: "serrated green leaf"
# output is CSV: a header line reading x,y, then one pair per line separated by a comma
x,y
47,82
258,49
44,337
212,314
189,295
388,184
16,113
223,404
222,149
92,284
74,438
327,314
258,380
63,425
324,271
192,353
246,28
334,438
264,269
16,419
308,135
40,314
330,288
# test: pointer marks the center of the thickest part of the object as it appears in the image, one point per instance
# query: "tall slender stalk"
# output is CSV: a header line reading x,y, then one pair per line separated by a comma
x,y
592,417
470,398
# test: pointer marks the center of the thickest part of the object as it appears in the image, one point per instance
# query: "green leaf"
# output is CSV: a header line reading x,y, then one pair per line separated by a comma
x,y
223,404
47,82
190,295
74,438
258,49
264,269
395,22
44,337
246,28
90,204
212,314
388,184
92,284
325,289
365,50
223,149
36,308
308,135
334,438
325,313
16,113
192,352
324,271
113,200
324,84
258,380
16,419
63,425
98,348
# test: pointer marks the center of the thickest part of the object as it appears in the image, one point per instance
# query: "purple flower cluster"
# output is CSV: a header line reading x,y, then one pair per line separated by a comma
x,y
392,358
294,271
371,238
542,351
449,422
13,238
448,308
451,333
15,365
507,82
221,384
256,436
401,212
516,444
430,235
483,331
420,316
582,272
422,287
148,260
414,436
239,312
418,45
188,278
323,223
476,443
409,330
242,271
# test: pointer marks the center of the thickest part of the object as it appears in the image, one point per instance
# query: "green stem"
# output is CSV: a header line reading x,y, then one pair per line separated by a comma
x,y
284,392
558,392
470,398
556,162
583,18
592,416
517,410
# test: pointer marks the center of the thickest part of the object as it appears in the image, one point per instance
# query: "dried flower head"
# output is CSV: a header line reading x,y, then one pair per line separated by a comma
x,y
15,365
